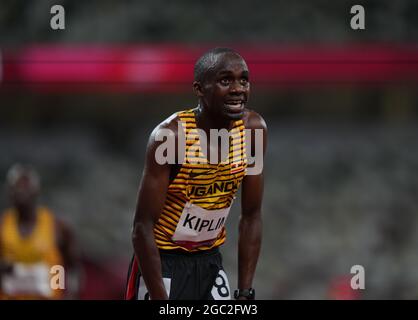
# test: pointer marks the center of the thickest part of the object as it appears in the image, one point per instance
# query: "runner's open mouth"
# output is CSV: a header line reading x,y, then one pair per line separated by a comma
x,y
235,106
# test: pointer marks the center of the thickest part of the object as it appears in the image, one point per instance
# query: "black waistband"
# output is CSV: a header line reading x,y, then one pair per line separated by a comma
x,y
184,253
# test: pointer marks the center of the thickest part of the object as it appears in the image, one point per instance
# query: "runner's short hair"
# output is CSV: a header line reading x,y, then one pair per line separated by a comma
x,y
207,62
18,170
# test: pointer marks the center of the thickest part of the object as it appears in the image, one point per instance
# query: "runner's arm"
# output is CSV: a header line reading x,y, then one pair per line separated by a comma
x,y
150,202
250,225
71,258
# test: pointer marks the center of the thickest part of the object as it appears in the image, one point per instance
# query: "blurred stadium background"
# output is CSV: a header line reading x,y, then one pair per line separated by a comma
x,y
341,106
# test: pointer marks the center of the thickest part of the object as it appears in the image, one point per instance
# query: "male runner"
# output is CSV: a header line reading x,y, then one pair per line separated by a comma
x,y
32,241
182,208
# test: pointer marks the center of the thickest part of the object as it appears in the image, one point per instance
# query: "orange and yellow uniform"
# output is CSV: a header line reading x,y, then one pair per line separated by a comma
x,y
200,196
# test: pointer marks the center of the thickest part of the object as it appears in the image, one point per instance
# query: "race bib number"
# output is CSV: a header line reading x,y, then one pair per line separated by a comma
x,y
220,289
31,279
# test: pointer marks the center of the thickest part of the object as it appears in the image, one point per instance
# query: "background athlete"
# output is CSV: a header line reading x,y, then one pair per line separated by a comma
x,y
181,208
32,240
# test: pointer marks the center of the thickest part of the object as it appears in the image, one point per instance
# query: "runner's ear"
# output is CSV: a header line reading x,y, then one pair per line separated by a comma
x,y
197,88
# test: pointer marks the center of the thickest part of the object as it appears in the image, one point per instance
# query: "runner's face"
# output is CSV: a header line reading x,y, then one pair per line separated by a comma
x,y
227,89
24,191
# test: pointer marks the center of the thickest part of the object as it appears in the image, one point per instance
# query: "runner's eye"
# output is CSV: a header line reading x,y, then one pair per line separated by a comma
x,y
225,81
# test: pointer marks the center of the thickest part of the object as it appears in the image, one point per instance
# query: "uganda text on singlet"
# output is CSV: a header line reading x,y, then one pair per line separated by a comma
x,y
200,196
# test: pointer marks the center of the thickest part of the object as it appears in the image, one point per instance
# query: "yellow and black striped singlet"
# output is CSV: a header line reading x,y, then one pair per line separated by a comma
x,y
200,196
